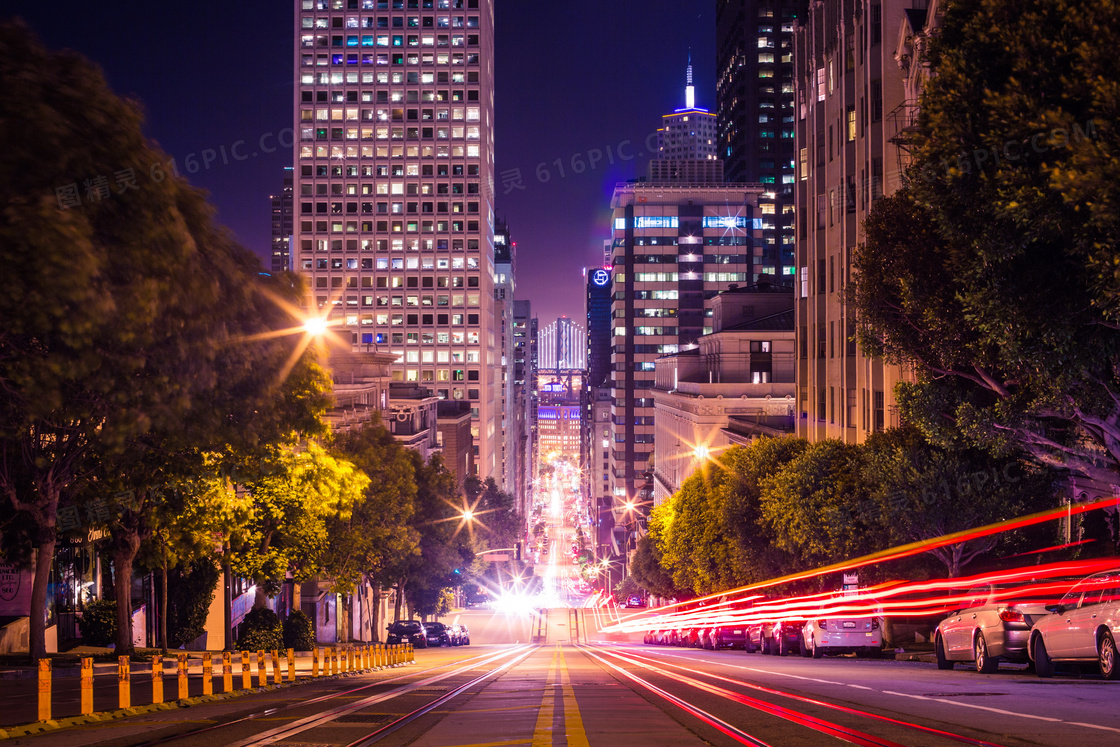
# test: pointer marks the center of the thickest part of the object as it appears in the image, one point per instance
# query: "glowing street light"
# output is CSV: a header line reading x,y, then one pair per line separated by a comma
x,y
315,326
702,451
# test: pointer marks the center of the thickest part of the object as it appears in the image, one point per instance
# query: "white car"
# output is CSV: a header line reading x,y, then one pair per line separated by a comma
x,y
1083,626
842,635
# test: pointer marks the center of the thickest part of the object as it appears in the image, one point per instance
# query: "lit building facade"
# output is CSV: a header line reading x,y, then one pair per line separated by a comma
x,y
847,85
393,225
738,384
559,416
282,224
687,144
505,267
755,107
675,246
525,415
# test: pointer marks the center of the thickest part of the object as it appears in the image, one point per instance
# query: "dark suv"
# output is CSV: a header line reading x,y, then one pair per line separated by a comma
x,y
407,631
437,634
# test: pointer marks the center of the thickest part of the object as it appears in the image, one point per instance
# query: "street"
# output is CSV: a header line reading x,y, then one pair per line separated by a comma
x,y
574,688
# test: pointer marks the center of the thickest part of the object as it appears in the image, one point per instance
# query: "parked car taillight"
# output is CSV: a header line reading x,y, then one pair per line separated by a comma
x,y
1011,615
822,624
874,623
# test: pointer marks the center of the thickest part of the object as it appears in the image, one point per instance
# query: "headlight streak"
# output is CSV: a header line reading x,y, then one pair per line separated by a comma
x,y
1043,584
908,550
840,731
813,701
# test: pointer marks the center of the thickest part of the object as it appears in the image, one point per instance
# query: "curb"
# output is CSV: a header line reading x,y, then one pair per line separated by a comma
x,y
40,727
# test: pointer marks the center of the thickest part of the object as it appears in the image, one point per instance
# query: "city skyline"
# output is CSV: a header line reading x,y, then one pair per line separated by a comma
x,y
238,103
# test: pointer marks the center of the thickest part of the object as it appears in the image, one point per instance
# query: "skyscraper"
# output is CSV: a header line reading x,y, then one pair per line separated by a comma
x,y
755,104
675,247
848,86
393,165
687,148
505,264
598,326
282,224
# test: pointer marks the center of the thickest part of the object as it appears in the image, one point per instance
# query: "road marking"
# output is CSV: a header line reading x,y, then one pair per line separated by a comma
x,y
493,744
542,732
573,722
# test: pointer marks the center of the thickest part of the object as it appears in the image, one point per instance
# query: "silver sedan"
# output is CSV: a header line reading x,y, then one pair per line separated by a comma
x,y
985,630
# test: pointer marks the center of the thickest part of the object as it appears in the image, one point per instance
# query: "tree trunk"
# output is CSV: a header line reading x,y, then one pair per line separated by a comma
x,y
397,600
125,546
375,614
37,623
227,603
163,599
297,593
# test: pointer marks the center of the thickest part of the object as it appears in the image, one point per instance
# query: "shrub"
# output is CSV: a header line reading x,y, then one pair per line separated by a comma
x,y
299,633
99,623
260,631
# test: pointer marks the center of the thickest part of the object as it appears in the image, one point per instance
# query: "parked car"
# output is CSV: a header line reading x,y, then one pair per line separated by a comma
x,y
725,636
1083,626
436,634
407,631
635,601
455,633
466,635
776,638
841,635
986,630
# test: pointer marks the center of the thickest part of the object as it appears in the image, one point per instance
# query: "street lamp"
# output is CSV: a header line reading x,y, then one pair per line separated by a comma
x,y
315,326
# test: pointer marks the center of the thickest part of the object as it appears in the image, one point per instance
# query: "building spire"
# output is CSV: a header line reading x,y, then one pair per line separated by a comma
x,y
689,90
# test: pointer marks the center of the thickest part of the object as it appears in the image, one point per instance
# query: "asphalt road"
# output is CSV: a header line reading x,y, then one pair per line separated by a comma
x,y
577,689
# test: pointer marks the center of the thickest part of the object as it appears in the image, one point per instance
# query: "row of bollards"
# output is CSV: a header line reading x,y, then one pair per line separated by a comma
x,y
335,660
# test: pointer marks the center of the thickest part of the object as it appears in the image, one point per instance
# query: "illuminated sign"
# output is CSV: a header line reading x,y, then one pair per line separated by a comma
x,y
601,278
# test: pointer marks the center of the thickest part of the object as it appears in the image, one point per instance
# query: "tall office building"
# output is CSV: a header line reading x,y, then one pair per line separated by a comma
x,y
755,105
393,171
282,224
505,267
849,88
674,247
687,147
563,346
524,414
598,326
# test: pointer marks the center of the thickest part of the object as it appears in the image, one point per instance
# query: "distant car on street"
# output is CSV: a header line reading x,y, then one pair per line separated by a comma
x,y
986,630
635,601
436,634
1083,626
407,631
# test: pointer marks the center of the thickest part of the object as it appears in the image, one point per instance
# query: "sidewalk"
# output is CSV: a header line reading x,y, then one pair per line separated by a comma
x,y
19,688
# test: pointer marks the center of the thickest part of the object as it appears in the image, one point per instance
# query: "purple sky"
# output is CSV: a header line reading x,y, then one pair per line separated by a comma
x,y
573,79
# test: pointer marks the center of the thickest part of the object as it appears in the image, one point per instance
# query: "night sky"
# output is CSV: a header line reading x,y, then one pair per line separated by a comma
x,y
572,78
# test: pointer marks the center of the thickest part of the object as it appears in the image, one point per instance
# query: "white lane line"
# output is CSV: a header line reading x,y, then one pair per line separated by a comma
x,y
919,697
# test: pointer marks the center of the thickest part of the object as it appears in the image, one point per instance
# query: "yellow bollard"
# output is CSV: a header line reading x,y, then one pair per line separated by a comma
x,y
334,660
157,679
411,653
365,657
262,670
379,656
291,665
124,688
184,683
87,685
44,689
207,673
246,671
227,671
350,659
314,661
275,667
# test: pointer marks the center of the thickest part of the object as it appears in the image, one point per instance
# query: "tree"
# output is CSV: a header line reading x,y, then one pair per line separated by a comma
x,y
372,537
292,494
995,271
443,547
698,546
122,303
818,505
921,491
755,558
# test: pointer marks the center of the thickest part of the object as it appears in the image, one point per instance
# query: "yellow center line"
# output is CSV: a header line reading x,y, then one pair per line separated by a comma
x,y
573,722
542,734
495,744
